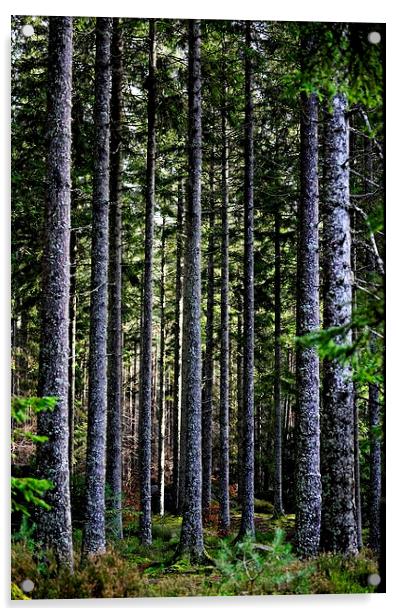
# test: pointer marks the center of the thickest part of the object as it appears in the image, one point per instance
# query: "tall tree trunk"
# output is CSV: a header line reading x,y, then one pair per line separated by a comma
x,y
72,345
224,350
207,420
146,357
177,351
161,393
308,480
240,414
247,521
114,428
191,540
339,530
94,528
54,525
278,431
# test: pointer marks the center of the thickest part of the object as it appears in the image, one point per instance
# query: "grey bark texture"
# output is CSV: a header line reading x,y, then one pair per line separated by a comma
x,y
54,526
224,520
247,521
146,347
308,479
161,391
278,419
177,350
114,418
339,530
207,408
94,526
191,540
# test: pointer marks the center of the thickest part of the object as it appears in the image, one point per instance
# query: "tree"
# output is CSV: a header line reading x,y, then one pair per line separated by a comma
x,y
191,540
339,531
278,416
114,417
224,349
247,521
146,347
161,378
54,524
94,527
308,480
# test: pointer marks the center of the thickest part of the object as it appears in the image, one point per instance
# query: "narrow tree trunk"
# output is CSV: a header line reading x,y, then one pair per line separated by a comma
x,y
146,357
94,529
207,421
339,530
72,345
54,525
240,414
114,429
308,480
191,541
161,393
278,432
247,521
224,350
177,350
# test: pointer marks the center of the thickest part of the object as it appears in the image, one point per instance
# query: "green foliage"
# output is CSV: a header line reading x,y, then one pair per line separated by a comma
x,y
29,491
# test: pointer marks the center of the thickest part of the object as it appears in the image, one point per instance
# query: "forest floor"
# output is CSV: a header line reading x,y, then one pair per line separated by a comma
x,y
268,565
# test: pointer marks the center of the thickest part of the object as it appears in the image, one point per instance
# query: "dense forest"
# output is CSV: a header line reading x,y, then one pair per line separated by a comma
x,y
197,307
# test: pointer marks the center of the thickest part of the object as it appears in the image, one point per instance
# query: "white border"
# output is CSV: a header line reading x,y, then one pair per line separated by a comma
x,y
341,10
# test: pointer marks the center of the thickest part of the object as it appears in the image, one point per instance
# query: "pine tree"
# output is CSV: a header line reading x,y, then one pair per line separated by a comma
x,y
54,525
94,527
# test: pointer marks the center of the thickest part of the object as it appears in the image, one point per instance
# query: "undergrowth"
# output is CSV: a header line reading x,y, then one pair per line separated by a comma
x,y
262,566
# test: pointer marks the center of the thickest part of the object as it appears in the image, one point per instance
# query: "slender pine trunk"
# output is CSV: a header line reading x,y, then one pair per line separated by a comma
x,y
54,525
191,540
308,480
114,427
247,521
145,426
339,529
207,419
161,393
94,526
278,428
177,351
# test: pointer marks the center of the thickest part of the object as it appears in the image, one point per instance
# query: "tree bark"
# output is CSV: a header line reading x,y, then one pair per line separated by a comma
x,y
54,526
240,414
308,480
177,351
278,429
161,393
114,427
339,530
145,426
191,540
72,346
207,420
94,528
224,350
247,521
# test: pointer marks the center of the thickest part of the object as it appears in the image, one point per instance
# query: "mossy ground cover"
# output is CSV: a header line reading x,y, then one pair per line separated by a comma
x,y
263,566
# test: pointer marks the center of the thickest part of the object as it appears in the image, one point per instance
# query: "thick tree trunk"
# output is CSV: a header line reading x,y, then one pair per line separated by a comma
x,y
339,530
247,521
161,392
224,350
191,540
177,352
308,480
54,526
278,427
207,420
145,426
114,428
94,529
